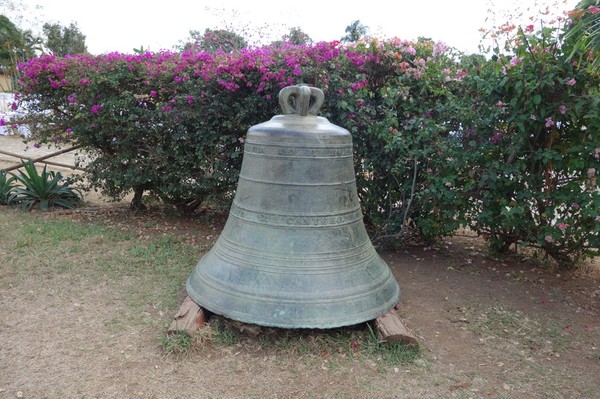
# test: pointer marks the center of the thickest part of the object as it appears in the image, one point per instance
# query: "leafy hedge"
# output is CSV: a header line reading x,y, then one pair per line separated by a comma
x,y
508,146
172,124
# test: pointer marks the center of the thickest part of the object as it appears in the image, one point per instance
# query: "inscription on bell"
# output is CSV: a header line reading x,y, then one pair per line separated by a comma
x,y
301,152
287,220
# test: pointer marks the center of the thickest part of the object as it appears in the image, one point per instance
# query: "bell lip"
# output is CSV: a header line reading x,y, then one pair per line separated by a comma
x,y
330,323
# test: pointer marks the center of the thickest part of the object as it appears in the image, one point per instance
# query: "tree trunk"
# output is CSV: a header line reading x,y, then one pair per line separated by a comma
x,y
136,203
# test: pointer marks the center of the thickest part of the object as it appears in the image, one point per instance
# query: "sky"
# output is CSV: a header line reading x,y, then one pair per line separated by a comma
x,y
122,25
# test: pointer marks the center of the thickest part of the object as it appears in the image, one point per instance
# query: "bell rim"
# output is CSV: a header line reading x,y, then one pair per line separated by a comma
x,y
330,322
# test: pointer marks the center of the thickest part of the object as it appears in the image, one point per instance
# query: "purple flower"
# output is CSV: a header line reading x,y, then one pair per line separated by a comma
x,y
153,93
514,61
562,109
549,122
598,218
495,139
96,109
571,82
37,145
358,85
2,122
562,226
351,116
439,48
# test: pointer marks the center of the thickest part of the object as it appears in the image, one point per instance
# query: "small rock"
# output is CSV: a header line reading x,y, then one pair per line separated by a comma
x,y
20,394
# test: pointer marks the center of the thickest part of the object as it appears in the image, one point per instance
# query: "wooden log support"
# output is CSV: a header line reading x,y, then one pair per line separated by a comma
x,y
392,330
189,319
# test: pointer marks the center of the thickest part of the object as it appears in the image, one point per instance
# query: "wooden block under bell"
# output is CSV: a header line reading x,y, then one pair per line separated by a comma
x,y
189,318
392,330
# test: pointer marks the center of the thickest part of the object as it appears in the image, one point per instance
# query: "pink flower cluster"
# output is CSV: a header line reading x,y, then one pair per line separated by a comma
x,y
259,70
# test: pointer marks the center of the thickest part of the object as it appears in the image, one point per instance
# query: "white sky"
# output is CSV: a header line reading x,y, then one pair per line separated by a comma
x,y
122,25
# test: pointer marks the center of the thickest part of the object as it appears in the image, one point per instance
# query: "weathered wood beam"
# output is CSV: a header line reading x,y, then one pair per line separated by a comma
x,y
42,158
392,330
189,319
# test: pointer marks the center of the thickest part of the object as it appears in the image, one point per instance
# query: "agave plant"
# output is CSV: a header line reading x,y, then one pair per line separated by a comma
x,y
43,188
6,187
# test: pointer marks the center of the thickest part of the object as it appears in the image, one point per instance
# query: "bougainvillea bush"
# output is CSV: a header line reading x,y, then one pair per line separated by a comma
x,y
401,111
507,145
173,124
534,180
161,123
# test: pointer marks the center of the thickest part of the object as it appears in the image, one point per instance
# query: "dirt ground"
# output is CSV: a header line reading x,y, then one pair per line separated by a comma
x,y
487,328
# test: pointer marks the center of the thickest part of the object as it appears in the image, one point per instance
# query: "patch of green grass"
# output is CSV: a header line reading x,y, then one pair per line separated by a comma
x,y
390,353
224,334
145,273
176,344
337,345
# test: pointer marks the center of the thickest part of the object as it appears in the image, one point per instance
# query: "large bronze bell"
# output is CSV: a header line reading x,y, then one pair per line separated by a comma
x,y
294,252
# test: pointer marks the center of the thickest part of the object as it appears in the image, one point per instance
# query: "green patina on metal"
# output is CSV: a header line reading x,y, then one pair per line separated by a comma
x,y
294,252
